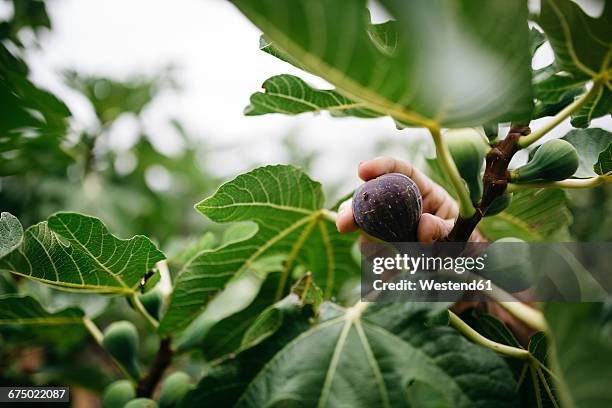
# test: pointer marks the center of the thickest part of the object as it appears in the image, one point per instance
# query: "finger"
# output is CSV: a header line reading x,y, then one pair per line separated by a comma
x,y
435,199
432,228
345,222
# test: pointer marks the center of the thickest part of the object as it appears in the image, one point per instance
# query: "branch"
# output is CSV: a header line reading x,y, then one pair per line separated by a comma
x,y
495,180
560,117
146,386
569,183
466,209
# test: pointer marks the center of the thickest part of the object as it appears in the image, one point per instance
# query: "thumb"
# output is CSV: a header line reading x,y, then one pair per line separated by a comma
x,y
432,228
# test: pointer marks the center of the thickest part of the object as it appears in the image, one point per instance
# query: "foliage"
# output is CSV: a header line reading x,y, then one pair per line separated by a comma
x,y
254,313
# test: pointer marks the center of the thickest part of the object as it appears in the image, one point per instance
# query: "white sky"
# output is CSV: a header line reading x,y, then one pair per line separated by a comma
x,y
220,66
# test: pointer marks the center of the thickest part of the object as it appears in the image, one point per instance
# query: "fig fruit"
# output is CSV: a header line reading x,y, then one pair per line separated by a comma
x,y
173,389
509,264
499,204
388,207
141,403
468,149
152,302
117,394
121,341
555,160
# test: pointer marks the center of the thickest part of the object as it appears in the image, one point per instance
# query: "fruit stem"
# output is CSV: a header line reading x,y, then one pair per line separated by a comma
x,y
569,183
466,208
503,349
141,309
527,140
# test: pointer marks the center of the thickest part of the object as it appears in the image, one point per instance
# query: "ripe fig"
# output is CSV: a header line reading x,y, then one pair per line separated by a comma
x,y
388,207
555,160
173,389
121,341
118,394
468,149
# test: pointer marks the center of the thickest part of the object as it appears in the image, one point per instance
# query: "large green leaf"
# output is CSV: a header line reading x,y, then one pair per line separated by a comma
x,y
471,69
590,144
533,215
582,44
287,207
290,95
582,354
11,233
25,310
357,359
76,252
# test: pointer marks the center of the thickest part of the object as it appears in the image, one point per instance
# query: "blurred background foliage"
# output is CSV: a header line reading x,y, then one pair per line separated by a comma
x,y
50,163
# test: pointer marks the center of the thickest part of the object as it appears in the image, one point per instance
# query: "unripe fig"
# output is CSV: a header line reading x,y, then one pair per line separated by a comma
x,y
141,403
118,394
152,302
555,160
499,204
388,207
509,265
121,341
173,389
468,149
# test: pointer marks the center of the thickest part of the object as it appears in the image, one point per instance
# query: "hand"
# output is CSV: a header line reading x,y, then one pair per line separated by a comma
x,y
439,208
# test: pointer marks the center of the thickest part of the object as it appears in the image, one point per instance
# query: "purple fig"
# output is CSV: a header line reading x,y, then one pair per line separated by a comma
x,y
388,207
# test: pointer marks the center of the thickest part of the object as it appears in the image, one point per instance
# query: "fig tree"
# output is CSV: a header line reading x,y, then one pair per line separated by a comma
x,y
388,207
117,394
555,160
468,149
121,341
173,389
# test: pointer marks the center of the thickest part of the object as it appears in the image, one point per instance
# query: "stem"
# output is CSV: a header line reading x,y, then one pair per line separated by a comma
x,y
525,141
526,314
93,330
546,387
569,183
536,386
470,333
163,359
141,309
99,338
466,209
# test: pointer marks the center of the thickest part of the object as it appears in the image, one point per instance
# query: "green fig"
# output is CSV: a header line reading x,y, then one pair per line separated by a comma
x,y
152,302
173,389
508,264
499,204
141,403
118,394
555,160
121,341
468,149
